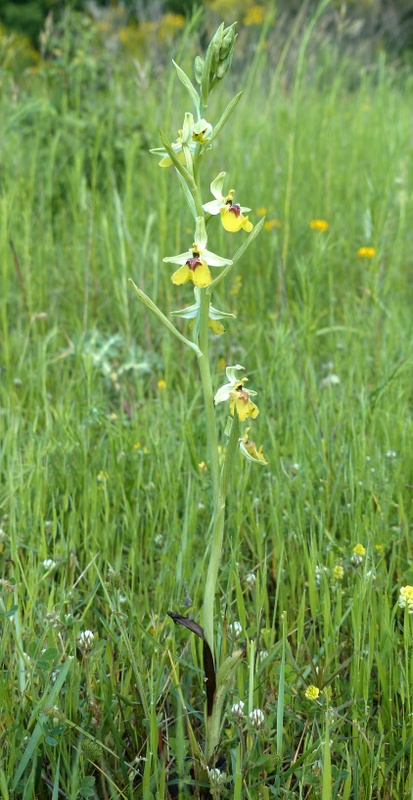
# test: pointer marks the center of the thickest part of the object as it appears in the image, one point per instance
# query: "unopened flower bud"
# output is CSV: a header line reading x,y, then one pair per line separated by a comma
x,y
199,65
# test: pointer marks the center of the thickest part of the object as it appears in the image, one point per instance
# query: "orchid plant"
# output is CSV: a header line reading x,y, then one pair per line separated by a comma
x,y
196,138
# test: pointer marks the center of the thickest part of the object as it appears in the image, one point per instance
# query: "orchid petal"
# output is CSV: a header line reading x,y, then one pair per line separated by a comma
x,y
201,275
216,186
201,237
178,259
214,260
231,372
182,275
213,207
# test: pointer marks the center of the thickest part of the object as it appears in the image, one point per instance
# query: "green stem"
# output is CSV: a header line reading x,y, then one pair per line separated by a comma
x,y
218,512
204,367
218,534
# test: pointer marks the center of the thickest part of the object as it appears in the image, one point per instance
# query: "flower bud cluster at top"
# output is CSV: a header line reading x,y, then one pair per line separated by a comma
x,y
196,137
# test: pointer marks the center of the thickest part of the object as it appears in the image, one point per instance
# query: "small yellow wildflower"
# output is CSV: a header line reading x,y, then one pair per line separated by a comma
x,y
406,598
359,550
237,285
358,554
261,211
137,446
318,225
338,572
254,16
312,692
161,385
202,466
222,363
270,224
366,252
171,21
380,549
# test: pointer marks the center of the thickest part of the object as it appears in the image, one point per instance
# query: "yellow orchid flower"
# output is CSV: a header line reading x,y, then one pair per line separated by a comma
x,y
232,216
238,395
250,451
196,260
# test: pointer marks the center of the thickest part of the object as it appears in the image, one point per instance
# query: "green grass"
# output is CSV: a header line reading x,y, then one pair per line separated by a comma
x,y
99,466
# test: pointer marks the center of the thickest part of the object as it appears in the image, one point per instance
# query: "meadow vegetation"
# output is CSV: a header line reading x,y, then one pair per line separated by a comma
x,y
104,478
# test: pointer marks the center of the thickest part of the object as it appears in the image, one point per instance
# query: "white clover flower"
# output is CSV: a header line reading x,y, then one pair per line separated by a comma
x,y
48,563
236,629
251,579
257,718
216,777
86,640
237,710
391,454
359,551
262,655
320,570
330,380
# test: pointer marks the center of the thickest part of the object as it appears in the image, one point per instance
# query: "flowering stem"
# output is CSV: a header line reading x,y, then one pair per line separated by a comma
x,y
204,367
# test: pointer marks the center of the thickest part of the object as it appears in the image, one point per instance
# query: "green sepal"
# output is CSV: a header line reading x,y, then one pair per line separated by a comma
x,y
175,161
199,66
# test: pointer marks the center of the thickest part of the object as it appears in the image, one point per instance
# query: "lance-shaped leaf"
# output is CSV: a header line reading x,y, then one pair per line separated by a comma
x,y
209,668
224,677
189,86
225,116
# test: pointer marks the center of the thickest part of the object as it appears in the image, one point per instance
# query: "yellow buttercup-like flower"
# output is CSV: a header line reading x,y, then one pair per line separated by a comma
x,y
366,252
312,692
359,550
318,225
232,216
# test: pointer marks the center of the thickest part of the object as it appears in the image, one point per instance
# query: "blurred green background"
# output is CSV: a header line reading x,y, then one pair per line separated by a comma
x,y
391,21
